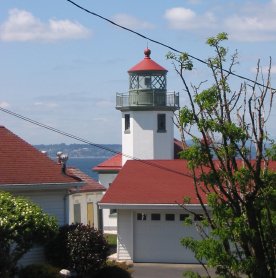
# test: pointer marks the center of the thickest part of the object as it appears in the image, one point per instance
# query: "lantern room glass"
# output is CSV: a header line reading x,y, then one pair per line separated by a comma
x,y
156,82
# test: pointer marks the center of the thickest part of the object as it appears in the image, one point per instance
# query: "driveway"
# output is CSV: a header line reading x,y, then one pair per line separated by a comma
x,y
153,270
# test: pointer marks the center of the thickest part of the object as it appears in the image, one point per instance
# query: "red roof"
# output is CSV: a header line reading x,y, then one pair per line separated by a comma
x,y
155,182
112,164
21,163
147,64
90,184
115,162
152,182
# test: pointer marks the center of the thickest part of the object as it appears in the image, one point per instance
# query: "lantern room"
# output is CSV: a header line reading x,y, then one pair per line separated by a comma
x,y
147,88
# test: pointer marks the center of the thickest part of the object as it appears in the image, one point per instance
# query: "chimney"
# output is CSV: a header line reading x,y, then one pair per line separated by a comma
x,y
62,159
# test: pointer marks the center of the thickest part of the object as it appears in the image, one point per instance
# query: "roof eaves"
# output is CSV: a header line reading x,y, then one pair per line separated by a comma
x,y
148,206
40,186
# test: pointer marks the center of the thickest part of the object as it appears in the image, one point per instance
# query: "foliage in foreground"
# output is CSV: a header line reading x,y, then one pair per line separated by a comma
x,y
22,224
78,247
227,126
39,270
115,270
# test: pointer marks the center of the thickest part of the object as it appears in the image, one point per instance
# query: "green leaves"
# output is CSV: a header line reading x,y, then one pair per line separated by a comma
x,y
183,59
214,41
22,224
208,99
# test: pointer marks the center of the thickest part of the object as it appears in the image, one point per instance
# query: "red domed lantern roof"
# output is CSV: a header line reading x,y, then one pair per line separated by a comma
x,y
147,64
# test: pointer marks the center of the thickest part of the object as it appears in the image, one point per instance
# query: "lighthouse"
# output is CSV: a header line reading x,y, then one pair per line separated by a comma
x,y
147,112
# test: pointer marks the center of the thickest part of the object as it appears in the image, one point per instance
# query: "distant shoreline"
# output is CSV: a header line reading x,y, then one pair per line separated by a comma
x,y
82,157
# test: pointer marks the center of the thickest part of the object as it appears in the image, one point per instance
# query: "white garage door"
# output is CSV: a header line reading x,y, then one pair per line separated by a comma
x,y
157,237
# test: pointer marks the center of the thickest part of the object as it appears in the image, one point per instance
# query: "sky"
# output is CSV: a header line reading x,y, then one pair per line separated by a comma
x,y
63,67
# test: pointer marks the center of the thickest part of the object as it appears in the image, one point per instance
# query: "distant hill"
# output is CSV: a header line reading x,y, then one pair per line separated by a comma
x,y
80,150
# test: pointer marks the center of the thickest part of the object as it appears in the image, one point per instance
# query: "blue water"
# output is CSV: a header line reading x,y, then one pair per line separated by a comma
x,y
86,165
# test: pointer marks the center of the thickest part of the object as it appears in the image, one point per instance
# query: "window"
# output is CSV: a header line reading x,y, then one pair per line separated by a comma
x,y
169,217
127,122
90,214
161,123
183,217
77,213
147,81
155,216
141,216
113,212
198,217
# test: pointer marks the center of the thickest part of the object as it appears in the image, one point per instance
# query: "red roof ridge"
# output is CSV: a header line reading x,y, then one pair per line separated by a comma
x,y
90,184
113,163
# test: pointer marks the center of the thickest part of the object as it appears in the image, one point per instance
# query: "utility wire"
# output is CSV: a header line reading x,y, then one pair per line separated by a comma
x,y
154,164
163,44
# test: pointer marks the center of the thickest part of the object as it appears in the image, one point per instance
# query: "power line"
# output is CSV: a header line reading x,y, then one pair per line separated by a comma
x,y
69,135
163,44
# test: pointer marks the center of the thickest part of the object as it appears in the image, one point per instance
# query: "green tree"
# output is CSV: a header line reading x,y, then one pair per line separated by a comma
x,y
22,224
230,161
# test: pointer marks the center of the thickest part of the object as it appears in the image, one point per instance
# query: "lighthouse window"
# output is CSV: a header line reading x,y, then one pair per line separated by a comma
x,y
161,123
148,81
127,122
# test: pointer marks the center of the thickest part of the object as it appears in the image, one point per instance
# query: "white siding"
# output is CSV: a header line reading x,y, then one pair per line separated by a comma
x,y
143,141
106,179
35,255
52,202
109,220
83,198
125,235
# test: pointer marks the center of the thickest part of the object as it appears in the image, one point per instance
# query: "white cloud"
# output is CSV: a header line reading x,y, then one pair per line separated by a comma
x,y
23,26
253,22
131,22
251,28
4,104
184,19
46,104
264,69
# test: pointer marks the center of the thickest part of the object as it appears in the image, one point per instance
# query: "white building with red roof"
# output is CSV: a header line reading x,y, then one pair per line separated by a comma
x,y
147,185
27,172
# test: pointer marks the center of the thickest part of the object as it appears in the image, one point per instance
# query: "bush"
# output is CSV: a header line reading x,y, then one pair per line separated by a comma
x,y
112,271
22,225
39,270
88,249
57,251
78,247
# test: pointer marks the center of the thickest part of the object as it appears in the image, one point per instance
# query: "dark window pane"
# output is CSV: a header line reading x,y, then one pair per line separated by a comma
x,y
141,216
127,121
170,217
183,216
155,216
113,211
198,217
161,122
77,213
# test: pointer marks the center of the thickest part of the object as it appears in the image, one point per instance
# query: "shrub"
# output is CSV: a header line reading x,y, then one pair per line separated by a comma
x,y
57,251
112,271
78,247
22,225
39,270
88,249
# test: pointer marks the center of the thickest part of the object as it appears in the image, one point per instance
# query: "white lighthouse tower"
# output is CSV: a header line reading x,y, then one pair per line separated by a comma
x,y
147,113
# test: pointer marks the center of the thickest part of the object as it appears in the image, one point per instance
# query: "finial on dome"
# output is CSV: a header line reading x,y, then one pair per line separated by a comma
x,y
147,52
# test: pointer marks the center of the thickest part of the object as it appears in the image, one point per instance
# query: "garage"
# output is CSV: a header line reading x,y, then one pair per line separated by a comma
x,y
157,236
